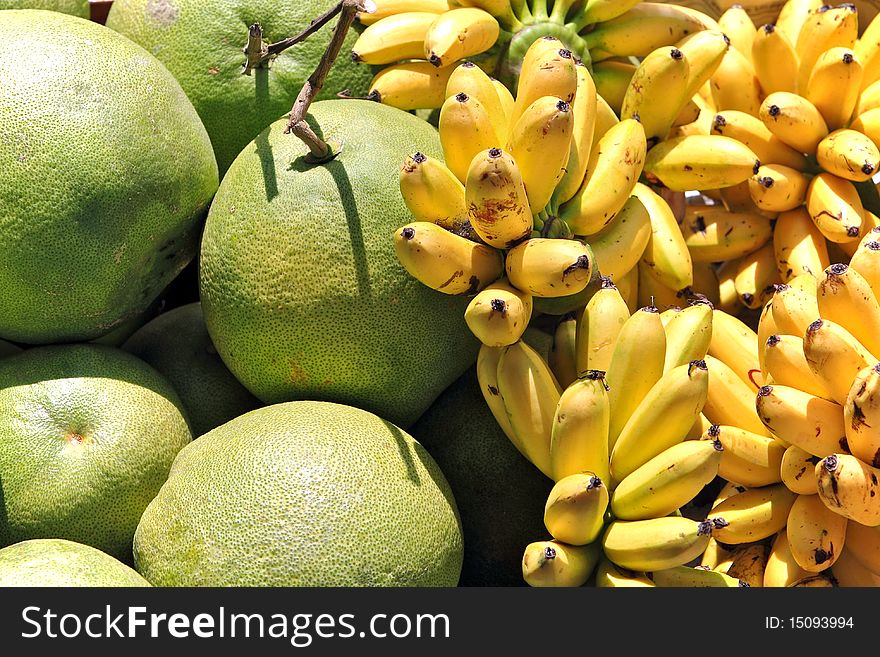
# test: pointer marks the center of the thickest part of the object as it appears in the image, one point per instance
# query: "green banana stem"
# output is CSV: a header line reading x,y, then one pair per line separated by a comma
x,y
521,11
560,10
869,196
539,10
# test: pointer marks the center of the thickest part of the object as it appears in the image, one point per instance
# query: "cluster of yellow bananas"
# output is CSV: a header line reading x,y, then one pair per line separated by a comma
x,y
419,42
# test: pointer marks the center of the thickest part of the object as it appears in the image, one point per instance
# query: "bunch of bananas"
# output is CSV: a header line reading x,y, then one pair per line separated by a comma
x,y
419,42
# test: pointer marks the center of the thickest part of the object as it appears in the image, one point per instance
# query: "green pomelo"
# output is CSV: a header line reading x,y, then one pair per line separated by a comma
x,y
302,494
301,289
87,437
107,172
177,344
201,42
74,7
57,562
500,494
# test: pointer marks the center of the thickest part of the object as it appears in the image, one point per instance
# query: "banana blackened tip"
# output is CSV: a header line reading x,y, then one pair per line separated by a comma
x,y
765,391
831,463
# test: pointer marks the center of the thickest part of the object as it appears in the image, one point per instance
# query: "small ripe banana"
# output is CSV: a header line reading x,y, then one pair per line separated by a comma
x,y
816,534
787,366
799,418
792,16
752,132
612,79
393,39
748,564
713,234
778,188
548,69
666,255
731,401
866,261
871,221
688,334
850,572
629,289
563,354
868,48
579,435
657,92
729,300
704,51
495,198
583,131
753,515
619,246
385,8
825,28
797,471
794,119
499,314
863,543
737,24
606,118
846,298
662,418
848,154
555,564
487,376
694,577
575,509
850,487
656,543
748,459
766,329
734,84
615,165
869,99
735,344
550,267
834,85
867,124
835,207
794,310
782,570
444,261
706,282
411,85
431,191
755,277
470,79
636,366
599,327
835,356
458,34
668,481
738,198
861,414
465,130
610,576
727,490
775,60
700,162
540,142
507,103
653,292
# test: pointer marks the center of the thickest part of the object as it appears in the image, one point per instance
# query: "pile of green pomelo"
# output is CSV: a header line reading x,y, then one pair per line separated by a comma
x,y
213,369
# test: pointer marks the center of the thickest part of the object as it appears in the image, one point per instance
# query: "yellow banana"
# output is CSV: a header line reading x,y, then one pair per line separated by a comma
x,y
799,418
835,207
782,570
688,335
600,11
668,481
825,28
615,166
748,458
766,329
499,314
848,154
458,34
775,60
470,79
706,282
662,418
794,119
700,162
737,24
850,487
731,401
636,366
816,534
540,142
629,289
753,515
487,376
727,490
465,130
850,572
599,327
555,564
385,8
653,292
735,84
550,267
666,255
583,131
432,192
610,576
563,355
866,261
657,92
778,188
530,393
869,99
444,261
655,544
605,119
411,85
736,345
756,275
579,437
507,103
619,246
868,49
612,79
694,577
863,543
713,234
846,298
738,198
393,39
787,365
870,222
496,201
749,562
792,16
834,85
867,123
729,300
752,132
797,471
861,412
794,310
835,356
575,509
548,69
704,51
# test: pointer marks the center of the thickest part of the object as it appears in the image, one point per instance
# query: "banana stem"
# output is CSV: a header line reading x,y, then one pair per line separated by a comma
x,y
296,123
560,10
539,10
521,11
